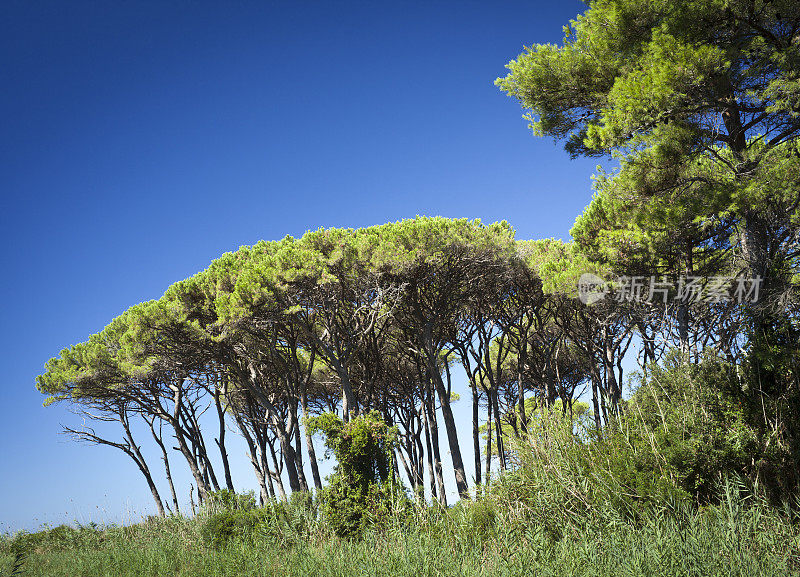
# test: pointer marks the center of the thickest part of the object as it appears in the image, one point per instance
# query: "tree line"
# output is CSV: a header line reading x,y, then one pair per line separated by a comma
x,y
699,102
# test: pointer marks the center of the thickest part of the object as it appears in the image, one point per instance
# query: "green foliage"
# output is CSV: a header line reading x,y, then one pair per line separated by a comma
x,y
686,429
281,523
19,555
363,489
631,73
558,264
226,500
61,537
539,417
701,422
698,100
566,470
221,527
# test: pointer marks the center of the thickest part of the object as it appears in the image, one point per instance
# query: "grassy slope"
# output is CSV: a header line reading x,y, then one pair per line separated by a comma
x,y
568,508
734,538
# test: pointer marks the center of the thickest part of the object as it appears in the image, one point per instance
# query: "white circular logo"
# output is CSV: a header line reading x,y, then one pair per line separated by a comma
x,y
591,288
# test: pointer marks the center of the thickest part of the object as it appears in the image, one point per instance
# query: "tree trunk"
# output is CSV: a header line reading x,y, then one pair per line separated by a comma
x,y
253,453
476,440
136,455
167,470
522,357
490,411
312,454
202,487
498,425
452,432
298,454
221,441
276,476
429,453
437,458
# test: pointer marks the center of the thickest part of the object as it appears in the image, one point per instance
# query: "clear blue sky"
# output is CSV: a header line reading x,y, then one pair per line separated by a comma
x,y
140,140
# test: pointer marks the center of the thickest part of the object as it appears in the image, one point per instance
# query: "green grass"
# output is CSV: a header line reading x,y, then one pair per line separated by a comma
x,y
739,536
569,508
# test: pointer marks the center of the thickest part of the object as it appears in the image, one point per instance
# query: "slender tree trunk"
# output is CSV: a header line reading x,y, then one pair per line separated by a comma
x,y
154,492
476,440
167,470
452,432
136,454
429,453
419,454
312,454
615,393
276,476
402,458
437,458
498,424
262,444
289,460
349,404
192,506
253,453
202,487
522,357
298,454
180,436
191,426
596,399
287,451
221,441
490,411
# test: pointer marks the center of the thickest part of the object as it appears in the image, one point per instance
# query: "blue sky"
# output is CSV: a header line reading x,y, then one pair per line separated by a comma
x,y
140,140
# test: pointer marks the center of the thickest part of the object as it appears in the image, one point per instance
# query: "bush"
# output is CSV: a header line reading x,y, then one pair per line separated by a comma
x,y
220,528
686,429
697,424
363,489
280,523
226,500
288,523
226,515
61,537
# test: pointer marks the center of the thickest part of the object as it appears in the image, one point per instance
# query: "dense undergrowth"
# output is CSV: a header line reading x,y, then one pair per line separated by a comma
x,y
685,481
516,530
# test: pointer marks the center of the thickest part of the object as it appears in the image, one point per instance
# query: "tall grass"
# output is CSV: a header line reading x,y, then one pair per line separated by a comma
x,y
569,507
737,537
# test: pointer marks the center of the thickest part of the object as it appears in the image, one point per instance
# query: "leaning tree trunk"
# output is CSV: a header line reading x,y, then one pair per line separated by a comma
x,y
430,453
221,441
253,453
298,455
275,476
165,459
312,454
452,432
136,455
437,457
490,412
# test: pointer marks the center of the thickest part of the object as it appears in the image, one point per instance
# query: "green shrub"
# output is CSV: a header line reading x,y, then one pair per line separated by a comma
x,y
363,489
686,429
281,523
697,424
61,537
220,528
288,523
226,500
